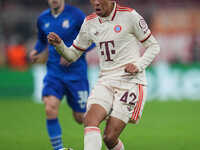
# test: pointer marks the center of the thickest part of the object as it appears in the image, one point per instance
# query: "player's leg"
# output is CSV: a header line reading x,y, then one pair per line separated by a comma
x,y
96,113
92,133
78,116
52,94
114,127
97,109
128,104
51,106
77,92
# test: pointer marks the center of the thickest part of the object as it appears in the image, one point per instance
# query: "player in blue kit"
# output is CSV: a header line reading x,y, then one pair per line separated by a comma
x,y
62,78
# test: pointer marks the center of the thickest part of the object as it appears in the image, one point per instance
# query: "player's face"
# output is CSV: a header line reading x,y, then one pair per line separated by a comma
x,y
102,8
55,4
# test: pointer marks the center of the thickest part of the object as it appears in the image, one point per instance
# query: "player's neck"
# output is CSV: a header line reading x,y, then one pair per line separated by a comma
x,y
110,9
58,11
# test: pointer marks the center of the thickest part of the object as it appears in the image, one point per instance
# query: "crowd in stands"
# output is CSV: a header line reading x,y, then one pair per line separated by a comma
x,y
18,32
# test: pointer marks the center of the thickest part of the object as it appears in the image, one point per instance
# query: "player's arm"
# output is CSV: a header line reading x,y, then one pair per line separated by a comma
x,y
71,54
143,34
33,56
40,45
152,50
80,44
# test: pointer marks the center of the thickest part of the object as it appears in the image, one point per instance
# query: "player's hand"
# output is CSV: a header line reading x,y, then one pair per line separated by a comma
x,y
33,56
131,68
53,39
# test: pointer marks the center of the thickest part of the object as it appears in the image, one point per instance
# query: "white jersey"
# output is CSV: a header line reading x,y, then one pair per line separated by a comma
x,y
117,39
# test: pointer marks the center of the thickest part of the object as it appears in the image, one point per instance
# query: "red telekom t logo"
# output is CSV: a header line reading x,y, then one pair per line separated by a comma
x,y
107,51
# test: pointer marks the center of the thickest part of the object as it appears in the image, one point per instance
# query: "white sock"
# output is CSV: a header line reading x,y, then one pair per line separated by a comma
x,y
92,138
119,146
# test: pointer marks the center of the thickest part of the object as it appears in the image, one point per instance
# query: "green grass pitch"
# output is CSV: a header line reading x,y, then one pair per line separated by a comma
x,y
169,125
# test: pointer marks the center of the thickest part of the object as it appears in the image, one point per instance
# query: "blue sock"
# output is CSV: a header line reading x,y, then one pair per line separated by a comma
x,y
54,131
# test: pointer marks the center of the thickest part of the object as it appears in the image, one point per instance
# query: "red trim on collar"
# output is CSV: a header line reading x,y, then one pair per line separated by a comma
x,y
78,48
114,13
100,21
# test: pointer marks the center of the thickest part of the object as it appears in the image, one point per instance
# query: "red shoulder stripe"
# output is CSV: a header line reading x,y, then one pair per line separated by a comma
x,y
129,10
120,8
92,16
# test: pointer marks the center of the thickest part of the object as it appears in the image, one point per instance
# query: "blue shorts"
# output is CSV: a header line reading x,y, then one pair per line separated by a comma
x,y
76,91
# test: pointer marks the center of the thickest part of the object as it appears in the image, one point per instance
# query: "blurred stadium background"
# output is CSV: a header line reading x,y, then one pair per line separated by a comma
x,y
171,116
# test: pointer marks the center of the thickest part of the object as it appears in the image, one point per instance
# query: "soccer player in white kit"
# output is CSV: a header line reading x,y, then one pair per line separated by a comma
x,y
120,91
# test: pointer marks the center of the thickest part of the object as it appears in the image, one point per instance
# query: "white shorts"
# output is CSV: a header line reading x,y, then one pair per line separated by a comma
x,y
120,99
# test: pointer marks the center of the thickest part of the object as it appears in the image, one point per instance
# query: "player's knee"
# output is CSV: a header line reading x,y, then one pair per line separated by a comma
x,y
51,106
79,120
87,121
90,121
78,117
95,115
110,139
51,111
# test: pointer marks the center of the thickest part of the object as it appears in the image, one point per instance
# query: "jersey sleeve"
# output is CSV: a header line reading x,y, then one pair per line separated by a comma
x,y
143,34
41,43
139,27
83,41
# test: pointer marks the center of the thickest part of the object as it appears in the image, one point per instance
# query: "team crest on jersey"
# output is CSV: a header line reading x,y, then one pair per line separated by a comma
x,y
47,25
118,28
65,24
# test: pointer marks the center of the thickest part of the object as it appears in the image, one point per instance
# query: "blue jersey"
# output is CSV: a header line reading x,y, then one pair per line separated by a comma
x,y
67,26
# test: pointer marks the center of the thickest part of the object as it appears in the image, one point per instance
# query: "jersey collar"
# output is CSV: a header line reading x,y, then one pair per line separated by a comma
x,y
110,17
56,16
